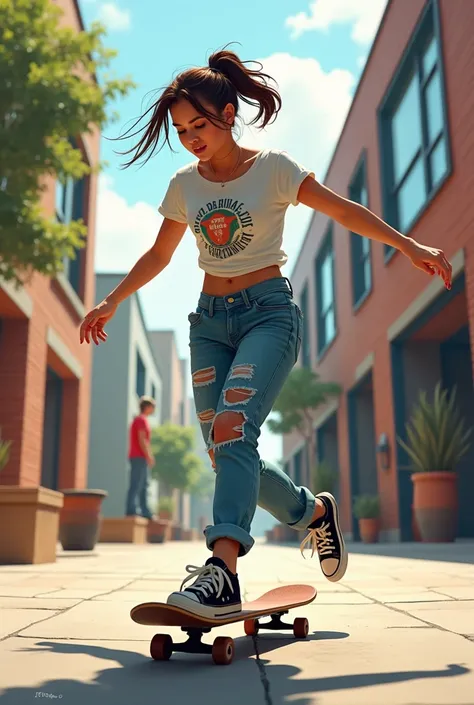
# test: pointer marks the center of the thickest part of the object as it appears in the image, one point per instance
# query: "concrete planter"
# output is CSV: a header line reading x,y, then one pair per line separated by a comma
x,y
131,529
81,519
29,524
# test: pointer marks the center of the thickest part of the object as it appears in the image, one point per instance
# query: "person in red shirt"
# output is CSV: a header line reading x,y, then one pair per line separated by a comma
x,y
141,459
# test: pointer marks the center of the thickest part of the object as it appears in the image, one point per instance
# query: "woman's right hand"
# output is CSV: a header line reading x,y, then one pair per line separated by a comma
x,y
93,324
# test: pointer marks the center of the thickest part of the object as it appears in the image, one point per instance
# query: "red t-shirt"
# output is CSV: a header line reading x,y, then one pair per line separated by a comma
x,y
139,423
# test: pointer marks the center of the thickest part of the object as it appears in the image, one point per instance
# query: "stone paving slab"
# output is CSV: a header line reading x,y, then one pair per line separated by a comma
x,y
40,603
14,620
122,673
372,667
389,634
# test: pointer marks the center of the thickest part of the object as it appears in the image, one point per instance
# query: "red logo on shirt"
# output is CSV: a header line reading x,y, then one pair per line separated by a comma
x,y
225,226
220,227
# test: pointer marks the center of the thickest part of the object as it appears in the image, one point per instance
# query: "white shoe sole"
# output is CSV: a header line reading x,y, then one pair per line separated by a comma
x,y
179,599
340,572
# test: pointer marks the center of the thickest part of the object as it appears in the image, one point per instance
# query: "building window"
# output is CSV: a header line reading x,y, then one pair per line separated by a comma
x,y
305,343
360,246
153,392
325,293
71,205
297,469
414,130
141,376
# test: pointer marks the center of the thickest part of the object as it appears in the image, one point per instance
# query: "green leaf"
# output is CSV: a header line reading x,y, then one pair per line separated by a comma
x,y
436,439
53,89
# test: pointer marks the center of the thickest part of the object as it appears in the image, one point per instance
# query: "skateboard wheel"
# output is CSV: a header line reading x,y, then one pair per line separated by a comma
x,y
301,627
251,627
223,650
161,647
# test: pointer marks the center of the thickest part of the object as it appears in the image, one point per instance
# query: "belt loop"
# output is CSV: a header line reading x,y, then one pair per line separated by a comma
x,y
289,284
211,306
245,297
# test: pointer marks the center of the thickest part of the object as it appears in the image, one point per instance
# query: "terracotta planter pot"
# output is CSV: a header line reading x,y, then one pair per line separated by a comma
x,y
369,530
164,515
435,501
80,520
414,526
158,531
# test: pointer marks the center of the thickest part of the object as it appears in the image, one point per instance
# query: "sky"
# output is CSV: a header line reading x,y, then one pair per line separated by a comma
x,y
315,50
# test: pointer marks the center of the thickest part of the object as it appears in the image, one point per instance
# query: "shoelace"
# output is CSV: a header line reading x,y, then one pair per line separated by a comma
x,y
209,577
320,540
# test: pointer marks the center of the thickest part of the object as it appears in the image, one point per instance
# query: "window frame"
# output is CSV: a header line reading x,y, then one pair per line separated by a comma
x,y
326,247
428,25
306,341
360,175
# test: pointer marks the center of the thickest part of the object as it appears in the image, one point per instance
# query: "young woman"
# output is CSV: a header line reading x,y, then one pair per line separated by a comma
x,y
245,333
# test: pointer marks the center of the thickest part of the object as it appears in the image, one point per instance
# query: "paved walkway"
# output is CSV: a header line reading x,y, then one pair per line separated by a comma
x,y
397,631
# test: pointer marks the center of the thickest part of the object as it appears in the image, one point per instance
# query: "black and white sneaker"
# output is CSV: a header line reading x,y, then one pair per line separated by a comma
x,y
325,536
215,593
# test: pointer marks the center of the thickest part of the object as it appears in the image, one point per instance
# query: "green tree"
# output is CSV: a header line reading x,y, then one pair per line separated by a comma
x,y
49,96
302,393
176,464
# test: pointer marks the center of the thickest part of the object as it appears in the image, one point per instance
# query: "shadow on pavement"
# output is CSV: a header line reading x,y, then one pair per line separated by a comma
x,y
186,678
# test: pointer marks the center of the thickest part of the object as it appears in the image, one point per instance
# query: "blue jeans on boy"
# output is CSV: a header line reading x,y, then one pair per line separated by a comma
x,y
138,488
243,346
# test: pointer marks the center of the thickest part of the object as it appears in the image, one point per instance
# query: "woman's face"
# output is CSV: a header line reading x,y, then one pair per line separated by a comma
x,y
197,133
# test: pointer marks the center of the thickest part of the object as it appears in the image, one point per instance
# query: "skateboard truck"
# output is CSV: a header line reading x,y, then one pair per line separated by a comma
x,y
272,604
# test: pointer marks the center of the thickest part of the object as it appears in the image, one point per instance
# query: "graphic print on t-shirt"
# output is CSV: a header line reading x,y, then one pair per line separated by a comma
x,y
224,226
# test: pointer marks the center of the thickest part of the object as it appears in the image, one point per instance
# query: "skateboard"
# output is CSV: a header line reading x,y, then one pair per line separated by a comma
x,y
273,604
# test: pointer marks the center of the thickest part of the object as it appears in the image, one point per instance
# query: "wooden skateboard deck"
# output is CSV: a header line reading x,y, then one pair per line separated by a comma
x,y
279,599
273,603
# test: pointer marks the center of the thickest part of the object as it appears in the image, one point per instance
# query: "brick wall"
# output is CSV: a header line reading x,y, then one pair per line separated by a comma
x,y
446,223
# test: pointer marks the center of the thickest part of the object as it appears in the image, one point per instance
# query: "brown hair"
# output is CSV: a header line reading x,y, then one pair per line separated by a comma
x,y
145,402
223,81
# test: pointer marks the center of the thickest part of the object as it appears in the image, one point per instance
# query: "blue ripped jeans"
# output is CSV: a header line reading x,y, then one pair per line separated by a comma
x,y
243,346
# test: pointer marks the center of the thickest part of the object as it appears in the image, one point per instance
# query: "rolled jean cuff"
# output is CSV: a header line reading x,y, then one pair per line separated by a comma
x,y
229,531
305,520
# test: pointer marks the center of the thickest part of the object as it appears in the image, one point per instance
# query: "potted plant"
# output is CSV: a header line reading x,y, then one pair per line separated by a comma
x,y
81,518
436,440
324,478
160,528
5,447
165,508
367,511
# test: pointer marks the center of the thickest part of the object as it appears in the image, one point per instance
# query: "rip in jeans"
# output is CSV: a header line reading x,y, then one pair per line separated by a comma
x,y
227,428
238,395
244,371
204,377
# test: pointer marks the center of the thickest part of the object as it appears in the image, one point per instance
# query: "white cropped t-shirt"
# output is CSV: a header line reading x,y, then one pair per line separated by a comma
x,y
238,227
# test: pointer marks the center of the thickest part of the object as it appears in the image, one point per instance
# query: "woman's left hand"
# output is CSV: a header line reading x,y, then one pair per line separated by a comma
x,y
430,260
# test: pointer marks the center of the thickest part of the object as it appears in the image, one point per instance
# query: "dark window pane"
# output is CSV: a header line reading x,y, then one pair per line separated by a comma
x,y
406,130
429,57
411,195
438,163
140,382
326,283
434,107
329,326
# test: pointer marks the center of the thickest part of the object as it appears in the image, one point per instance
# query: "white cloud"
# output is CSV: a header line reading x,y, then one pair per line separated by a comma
x,y
113,17
315,104
363,15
